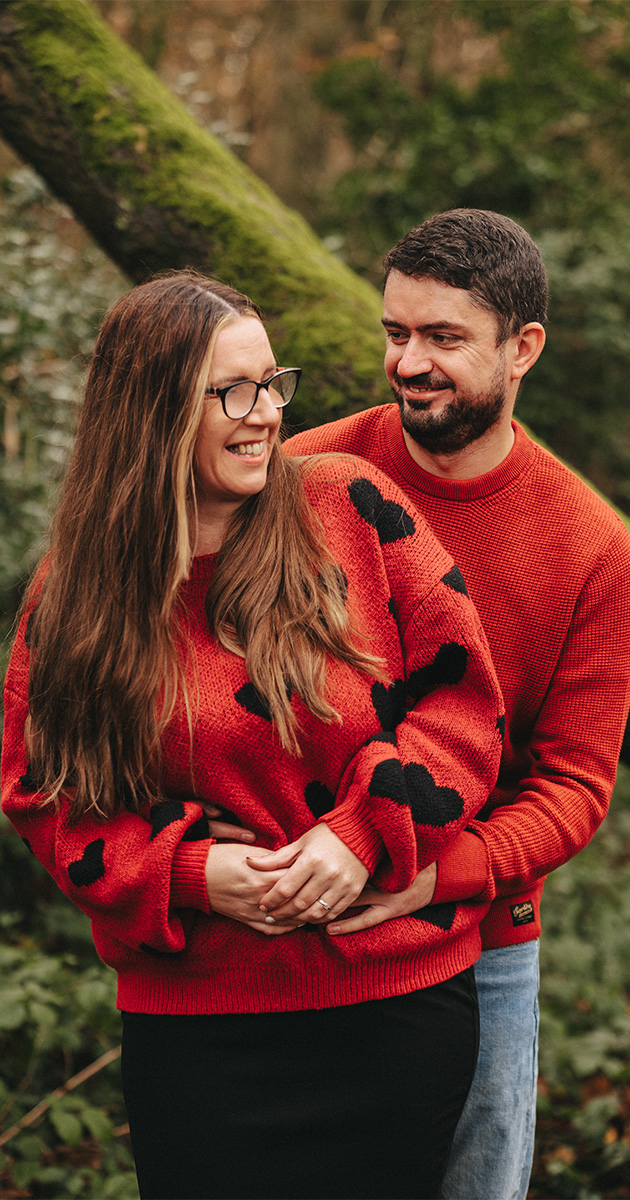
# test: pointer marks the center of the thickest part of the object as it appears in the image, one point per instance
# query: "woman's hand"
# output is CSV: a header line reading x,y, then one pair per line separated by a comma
x,y
319,877
235,889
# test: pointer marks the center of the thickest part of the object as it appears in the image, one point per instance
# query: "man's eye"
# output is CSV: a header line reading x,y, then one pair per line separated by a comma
x,y
445,339
396,335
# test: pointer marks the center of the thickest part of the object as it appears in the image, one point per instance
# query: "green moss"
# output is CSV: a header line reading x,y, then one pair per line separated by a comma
x,y
138,138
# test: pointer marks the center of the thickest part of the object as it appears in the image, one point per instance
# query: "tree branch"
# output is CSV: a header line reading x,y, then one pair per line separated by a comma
x,y
35,1113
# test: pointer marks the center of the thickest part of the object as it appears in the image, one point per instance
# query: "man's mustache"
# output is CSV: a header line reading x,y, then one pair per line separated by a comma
x,y
430,380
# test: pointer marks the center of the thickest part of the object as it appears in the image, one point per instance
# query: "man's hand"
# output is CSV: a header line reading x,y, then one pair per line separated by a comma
x,y
383,906
223,831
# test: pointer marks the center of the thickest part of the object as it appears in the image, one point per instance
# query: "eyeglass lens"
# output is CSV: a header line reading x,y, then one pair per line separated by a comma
x,y
240,399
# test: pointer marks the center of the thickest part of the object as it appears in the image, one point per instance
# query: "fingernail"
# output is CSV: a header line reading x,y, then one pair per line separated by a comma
x,y
269,920
262,908
332,929
248,837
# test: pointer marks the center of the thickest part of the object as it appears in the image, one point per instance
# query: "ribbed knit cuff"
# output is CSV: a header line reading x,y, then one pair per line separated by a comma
x,y
188,875
352,823
462,870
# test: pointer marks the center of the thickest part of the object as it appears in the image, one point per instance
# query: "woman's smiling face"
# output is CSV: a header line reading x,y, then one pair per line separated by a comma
x,y
231,457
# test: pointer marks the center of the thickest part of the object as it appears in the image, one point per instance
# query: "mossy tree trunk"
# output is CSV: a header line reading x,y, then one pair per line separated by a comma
x,y
158,192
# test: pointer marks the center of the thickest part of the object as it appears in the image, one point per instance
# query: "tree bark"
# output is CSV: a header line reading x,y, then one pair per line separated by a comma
x,y
158,192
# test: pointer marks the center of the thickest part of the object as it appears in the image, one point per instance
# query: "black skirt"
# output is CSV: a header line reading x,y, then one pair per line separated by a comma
x,y
334,1104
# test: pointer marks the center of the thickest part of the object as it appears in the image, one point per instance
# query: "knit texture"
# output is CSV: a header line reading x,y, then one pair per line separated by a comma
x,y
411,763
547,564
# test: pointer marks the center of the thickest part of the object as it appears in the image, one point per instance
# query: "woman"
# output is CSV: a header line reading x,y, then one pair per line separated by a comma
x,y
217,625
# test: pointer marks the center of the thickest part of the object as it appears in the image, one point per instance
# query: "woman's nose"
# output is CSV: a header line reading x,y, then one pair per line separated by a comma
x,y
264,411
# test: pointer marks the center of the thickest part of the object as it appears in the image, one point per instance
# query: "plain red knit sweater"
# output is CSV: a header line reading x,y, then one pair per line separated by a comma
x,y
412,762
547,564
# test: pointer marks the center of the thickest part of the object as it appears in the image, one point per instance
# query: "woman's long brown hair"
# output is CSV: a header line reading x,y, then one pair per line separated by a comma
x,y
105,672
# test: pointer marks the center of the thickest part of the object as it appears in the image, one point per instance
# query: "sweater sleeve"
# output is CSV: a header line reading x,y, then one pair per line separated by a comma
x,y
574,751
137,872
410,790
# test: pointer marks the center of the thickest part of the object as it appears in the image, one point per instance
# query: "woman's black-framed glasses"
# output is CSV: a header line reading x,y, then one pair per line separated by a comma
x,y
238,399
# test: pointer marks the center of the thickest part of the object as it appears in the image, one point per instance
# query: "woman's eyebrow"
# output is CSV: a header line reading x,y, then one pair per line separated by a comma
x,y
230,379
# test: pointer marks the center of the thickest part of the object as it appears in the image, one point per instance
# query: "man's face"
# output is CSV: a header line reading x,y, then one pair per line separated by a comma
x,y
445,369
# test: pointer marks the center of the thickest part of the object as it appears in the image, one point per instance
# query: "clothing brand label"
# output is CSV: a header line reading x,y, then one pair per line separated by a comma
x,y
522,914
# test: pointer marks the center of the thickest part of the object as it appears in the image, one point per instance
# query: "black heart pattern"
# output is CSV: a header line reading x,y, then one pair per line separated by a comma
x,y
389,702
415,786
163,815
455,580
441,915
251,700
90,867
391,521
198,831
448,667
27,781
319,798
501,727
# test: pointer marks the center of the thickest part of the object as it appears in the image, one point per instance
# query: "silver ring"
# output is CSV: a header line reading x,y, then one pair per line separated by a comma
x,y
323,903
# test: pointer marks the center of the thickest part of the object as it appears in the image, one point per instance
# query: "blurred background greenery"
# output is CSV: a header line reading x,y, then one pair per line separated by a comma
x,y
366,116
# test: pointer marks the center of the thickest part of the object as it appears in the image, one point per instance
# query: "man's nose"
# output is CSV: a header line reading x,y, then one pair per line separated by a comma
x,y
416,360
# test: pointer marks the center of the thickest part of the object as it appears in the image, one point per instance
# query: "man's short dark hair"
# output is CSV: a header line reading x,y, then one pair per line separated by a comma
x,y
484,253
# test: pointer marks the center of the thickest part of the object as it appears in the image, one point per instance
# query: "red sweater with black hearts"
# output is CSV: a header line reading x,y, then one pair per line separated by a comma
x,y
547,563
411,763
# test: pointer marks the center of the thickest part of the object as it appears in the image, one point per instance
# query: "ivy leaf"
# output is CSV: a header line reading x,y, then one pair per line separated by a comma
x,y
99,1125
12,1008
67,1125
43,1014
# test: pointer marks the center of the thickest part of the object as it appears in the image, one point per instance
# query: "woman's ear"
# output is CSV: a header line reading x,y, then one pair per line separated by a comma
x,y
528,345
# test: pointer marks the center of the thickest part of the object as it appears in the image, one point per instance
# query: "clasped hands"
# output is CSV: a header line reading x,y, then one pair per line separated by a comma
x,y
277,891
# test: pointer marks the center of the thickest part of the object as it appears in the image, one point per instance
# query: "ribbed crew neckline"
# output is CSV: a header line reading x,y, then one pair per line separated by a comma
x,y
202,567
454,489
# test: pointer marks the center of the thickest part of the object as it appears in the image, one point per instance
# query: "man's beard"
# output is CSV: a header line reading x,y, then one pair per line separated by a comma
x,y
464,420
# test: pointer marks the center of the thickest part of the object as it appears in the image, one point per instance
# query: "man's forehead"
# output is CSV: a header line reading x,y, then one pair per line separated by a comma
x,y
418,302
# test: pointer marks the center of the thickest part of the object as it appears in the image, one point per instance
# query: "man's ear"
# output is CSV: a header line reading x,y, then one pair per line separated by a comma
x,y
528,344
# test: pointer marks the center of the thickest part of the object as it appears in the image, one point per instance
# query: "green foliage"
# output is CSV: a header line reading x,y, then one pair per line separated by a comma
x,y
583,1137
574,398
541,134
57,1016
534,136
52,300
57,1001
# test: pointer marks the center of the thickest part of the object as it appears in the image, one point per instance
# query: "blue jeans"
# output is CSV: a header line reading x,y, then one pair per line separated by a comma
x,y
491,1157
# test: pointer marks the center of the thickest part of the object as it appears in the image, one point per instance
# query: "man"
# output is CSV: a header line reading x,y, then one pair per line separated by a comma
x,y
547,564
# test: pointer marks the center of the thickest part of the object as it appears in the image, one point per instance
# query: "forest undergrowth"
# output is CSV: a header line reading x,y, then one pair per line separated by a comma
x,y
57,1017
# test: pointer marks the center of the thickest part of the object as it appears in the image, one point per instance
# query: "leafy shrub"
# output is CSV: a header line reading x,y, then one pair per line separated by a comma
x,y
57,1001
583,1137
53,297
57,1016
